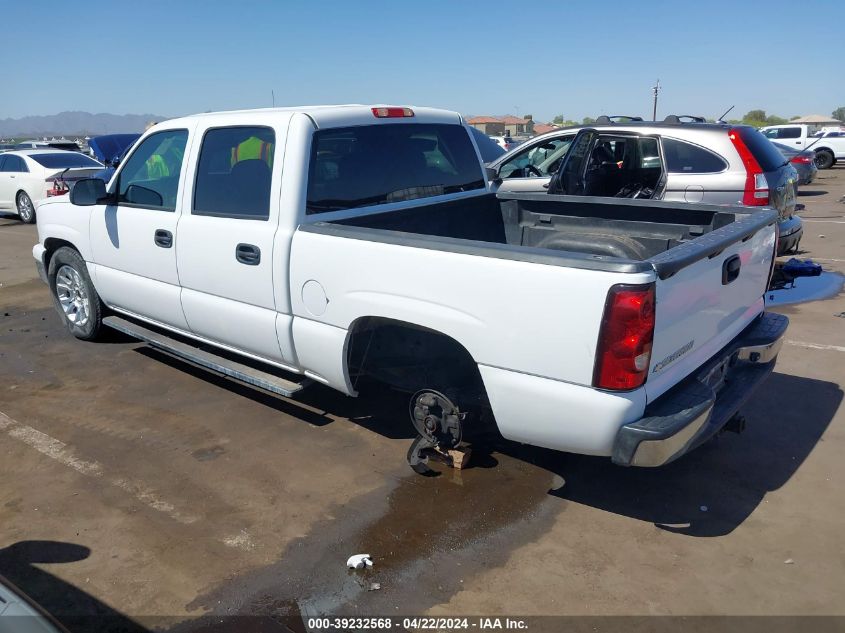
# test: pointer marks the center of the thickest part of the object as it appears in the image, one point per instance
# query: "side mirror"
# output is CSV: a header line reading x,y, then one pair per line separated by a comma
x,y
88,192
493,175
115,162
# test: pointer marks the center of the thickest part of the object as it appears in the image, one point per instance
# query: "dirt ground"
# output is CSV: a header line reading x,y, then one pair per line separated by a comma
x,y
133,485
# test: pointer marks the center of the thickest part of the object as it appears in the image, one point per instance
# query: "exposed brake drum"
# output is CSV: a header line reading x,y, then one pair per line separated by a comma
x,y
439,423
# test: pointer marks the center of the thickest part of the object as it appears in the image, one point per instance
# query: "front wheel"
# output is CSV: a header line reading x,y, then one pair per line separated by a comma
x,y
74,295
824,159
26,210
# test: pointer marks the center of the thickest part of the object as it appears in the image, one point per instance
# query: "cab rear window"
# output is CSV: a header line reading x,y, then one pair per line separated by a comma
x,y
378,164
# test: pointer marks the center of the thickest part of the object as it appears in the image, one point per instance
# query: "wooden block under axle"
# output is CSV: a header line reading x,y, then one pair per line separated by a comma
x,y
460,457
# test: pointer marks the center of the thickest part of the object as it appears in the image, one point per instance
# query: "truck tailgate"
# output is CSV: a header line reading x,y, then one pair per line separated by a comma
x,y
708,290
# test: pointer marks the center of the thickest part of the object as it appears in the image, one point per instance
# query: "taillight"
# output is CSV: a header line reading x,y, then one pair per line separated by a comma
x,y
756,193
392,113
623,353
804,160
58,189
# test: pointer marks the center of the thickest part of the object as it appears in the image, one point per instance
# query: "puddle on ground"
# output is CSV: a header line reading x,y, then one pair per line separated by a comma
x,y
426,537
807,289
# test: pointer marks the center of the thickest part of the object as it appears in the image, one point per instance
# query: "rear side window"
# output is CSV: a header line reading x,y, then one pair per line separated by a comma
x,y
14,164
378,164
761,148
686,158
234,173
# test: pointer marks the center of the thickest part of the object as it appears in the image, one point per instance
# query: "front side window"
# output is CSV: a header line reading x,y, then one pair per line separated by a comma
x,y
540,160
390,162
686,158
234,173
150,178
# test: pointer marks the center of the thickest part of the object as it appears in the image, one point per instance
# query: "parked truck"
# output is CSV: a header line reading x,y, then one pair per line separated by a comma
x,y
328,244
828,145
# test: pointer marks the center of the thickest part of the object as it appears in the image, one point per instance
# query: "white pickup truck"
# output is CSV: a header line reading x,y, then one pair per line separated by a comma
x,y
829,145
287,246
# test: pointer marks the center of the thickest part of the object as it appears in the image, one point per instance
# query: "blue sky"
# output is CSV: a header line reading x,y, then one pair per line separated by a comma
x,y
572,58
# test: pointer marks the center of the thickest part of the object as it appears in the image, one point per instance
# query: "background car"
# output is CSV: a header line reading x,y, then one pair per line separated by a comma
x,y
802,160
110,149
29,176
64,144
671,160
507,142
828,145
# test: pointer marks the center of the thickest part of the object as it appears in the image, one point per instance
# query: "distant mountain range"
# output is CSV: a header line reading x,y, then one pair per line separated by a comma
x,y
76,124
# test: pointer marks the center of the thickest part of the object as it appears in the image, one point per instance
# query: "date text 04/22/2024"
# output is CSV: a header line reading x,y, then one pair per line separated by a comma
x,y
418,624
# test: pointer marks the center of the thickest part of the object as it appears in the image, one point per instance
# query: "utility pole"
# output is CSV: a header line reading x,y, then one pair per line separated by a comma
x,y
655,89
273,96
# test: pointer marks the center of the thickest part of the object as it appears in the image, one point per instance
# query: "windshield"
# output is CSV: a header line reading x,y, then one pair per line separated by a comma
x,y
63,160
378,164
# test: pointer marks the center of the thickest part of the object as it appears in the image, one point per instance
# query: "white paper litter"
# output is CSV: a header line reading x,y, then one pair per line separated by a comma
x,y
359,561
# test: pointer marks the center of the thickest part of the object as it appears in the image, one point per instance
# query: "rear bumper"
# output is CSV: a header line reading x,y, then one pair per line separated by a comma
x,y
693,412
790,231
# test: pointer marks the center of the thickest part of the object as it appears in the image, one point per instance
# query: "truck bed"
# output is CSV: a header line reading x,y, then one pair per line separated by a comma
x,y
584,232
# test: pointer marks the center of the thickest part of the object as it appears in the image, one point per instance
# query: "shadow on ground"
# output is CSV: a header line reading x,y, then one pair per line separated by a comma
x,y
729,475
711,491
74,608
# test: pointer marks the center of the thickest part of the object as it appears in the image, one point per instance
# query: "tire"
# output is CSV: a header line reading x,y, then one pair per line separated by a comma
x,y
824,159
74,296
26,210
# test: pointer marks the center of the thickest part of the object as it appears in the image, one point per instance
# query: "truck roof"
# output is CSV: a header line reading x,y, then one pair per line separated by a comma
x,y
327,116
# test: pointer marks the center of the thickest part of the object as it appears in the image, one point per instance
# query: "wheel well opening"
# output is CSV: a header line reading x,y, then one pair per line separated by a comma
x,y
409,357
52,244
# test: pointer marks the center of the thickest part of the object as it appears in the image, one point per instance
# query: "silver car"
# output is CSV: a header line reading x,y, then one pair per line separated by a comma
x,y
672,160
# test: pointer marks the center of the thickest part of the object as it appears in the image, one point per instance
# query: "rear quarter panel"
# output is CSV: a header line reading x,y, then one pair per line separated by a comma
x,y
528,317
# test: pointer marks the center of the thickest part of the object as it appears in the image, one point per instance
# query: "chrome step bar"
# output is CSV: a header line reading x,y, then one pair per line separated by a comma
x,y
210,360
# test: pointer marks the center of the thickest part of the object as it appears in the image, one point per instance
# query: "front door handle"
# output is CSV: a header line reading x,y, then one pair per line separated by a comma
x,y
163,238
730,269
248,254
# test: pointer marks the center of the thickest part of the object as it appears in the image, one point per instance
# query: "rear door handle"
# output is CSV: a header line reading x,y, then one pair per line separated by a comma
x,y
248,254
163,238
730,269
